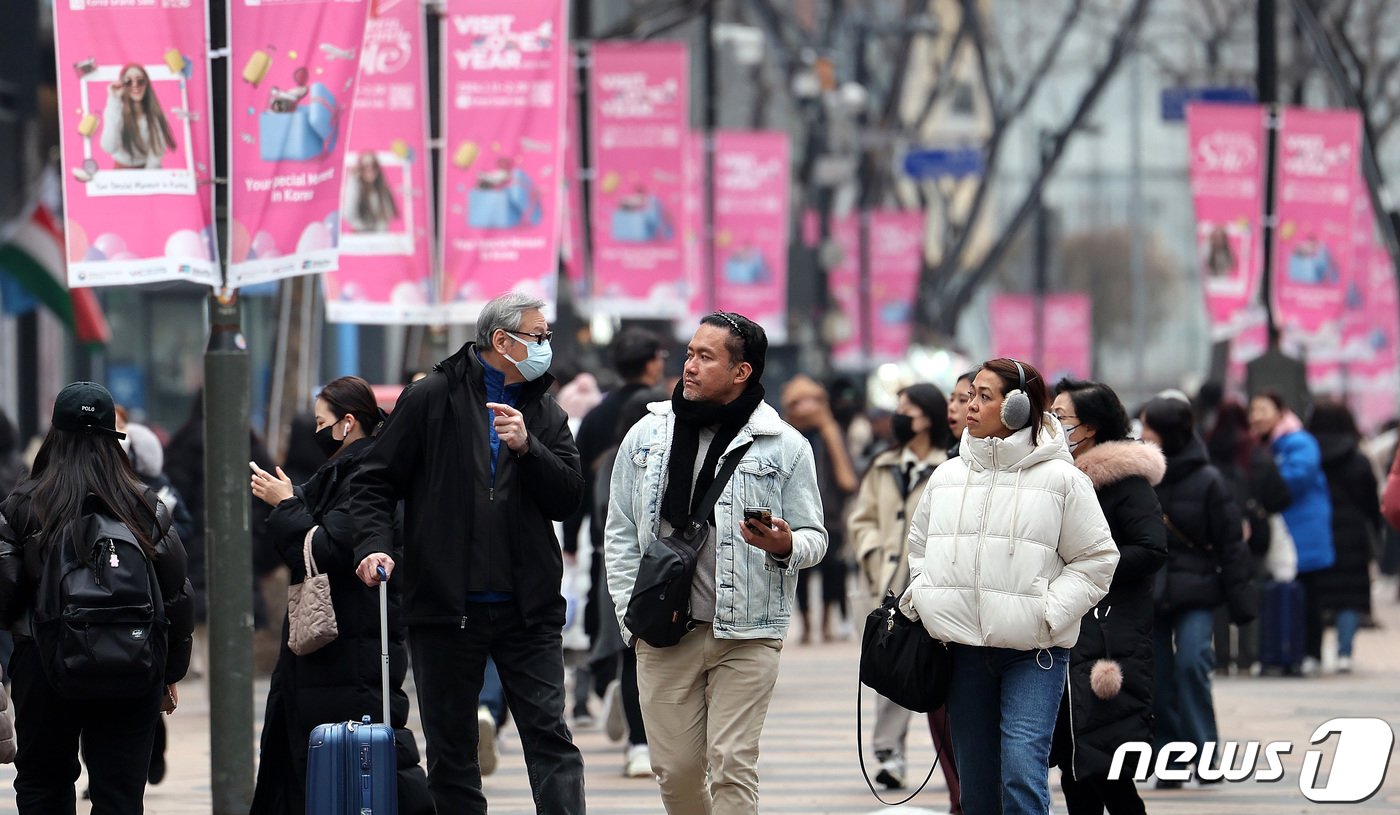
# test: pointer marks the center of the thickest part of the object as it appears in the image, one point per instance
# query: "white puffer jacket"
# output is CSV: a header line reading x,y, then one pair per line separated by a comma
x,y
1008,547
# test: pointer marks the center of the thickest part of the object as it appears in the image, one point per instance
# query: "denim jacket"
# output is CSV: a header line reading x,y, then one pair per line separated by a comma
x,y
754,591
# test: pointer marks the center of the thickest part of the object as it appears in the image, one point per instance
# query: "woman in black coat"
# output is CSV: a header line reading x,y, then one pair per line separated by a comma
x,y
1108,700
340,681
1345,587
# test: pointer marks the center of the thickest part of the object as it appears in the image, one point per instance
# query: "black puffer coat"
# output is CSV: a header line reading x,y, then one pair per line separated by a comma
x,y
1119,628
1356,524
1208,563
340,681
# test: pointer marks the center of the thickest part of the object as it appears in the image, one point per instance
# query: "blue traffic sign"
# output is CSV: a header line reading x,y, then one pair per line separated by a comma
x,y
1175,100
956,162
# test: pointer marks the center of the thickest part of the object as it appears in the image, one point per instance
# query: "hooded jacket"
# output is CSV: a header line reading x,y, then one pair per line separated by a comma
x,y
1008,547
1356,524
1119,628
879,522
1309,517
465,529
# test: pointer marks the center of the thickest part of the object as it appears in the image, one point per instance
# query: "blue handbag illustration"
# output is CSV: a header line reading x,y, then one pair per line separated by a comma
x,y
305,132
505,207
745,268
1311,268
641,224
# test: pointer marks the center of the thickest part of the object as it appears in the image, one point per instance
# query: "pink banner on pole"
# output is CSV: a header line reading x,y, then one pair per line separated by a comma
x,y
641,122
1227,189
896,258
846,322
504,97
292,67
1318,159
135,129
386,233
1068,338
751,227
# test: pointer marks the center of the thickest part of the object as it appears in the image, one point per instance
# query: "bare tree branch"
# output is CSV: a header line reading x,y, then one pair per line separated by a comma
x,y
943,81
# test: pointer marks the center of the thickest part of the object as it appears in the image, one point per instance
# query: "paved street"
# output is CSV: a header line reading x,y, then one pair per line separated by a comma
x,y
809,760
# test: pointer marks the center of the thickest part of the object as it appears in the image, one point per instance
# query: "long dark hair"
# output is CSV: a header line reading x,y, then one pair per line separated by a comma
x,y
931,402
352,395
70,468
162,139
1172,420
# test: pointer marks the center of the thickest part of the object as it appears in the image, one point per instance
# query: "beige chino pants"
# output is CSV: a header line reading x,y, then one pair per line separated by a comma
x,y
704,701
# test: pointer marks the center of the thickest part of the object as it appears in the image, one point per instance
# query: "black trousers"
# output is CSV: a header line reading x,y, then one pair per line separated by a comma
x,y
116,737
1094,795
448,663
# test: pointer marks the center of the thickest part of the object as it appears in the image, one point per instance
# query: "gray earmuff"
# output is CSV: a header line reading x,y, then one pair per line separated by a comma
x,y
1016,407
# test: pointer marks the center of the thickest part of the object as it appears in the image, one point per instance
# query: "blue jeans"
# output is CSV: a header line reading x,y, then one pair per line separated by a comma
x,y
1183,659
1348,621
493,695
1002,707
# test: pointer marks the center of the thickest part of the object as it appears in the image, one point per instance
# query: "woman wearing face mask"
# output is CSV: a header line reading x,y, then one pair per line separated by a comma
x,y
341,680
879,528
135,132
1108,700
1008,548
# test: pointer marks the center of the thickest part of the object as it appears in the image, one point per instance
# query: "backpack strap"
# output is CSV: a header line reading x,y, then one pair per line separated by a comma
x,y
707,503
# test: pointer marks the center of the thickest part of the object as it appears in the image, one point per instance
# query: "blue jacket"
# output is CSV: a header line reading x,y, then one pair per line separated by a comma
x,y
755,591
1309,517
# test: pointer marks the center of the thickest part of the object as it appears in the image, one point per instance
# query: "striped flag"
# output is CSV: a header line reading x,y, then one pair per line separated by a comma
x,y
32,265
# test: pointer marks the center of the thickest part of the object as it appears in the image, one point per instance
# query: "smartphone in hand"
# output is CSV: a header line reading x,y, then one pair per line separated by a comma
x,y
758,519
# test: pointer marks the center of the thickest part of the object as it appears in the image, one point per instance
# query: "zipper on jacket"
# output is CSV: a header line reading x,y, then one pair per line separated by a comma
x,y
491,493
981,539
463,625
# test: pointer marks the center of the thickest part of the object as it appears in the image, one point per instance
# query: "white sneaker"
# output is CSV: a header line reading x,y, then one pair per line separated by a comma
x,y
613,719
638,762
486,740
1344,665
1311,666
892,771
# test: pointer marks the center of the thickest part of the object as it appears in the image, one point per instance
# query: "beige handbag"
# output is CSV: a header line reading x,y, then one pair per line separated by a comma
x,y
310,615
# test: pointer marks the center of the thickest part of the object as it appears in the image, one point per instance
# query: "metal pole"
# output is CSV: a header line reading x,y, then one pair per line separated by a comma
x,y
1139,251
1267,78
228,540
711,122
866,178
1042,260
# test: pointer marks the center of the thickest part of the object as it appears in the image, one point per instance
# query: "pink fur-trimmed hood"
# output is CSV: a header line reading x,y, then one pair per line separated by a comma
x,y
1113,461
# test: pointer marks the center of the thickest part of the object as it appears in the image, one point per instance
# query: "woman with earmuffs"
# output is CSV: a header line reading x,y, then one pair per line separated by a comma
x,y
341,680
1008,549
1108,700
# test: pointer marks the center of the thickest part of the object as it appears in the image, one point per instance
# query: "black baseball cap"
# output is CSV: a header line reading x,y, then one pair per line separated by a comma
x,y
86,407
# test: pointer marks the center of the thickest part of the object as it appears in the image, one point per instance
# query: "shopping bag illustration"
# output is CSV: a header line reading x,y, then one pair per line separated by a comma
x,y
641,224
505,207
745,269
308,131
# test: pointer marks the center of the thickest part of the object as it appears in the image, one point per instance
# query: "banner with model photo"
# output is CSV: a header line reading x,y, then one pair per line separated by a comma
x,y
641,126
292,68
504,96
135,136
1227,189
386,233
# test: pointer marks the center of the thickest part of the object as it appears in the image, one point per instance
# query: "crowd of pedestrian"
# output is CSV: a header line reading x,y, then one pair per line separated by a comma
x,y
1093,568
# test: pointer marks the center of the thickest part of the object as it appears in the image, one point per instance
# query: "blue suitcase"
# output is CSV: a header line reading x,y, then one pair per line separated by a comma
x,y
352,768
1282,622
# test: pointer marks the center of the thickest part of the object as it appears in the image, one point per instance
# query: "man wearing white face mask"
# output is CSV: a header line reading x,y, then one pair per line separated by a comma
x,y
484,461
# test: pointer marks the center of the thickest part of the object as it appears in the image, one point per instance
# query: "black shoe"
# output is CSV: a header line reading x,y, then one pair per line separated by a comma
x,y
156,774
1164,784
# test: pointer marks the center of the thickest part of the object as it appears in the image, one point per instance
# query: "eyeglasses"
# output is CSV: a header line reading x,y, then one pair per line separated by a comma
x,y
134,82
540,338
1063,416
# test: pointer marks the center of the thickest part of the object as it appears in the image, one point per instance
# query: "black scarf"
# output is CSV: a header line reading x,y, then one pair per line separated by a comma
x,y
680,499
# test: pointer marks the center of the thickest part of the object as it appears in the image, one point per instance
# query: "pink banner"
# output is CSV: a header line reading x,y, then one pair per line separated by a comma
x,y
386,235
1318,160
752,180
292,66
1227,189
135,129
504,97
896,259
641,121
1068,333
846,323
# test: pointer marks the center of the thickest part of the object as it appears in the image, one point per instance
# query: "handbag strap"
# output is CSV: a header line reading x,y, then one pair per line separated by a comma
x,y
308,559
865,773
707,503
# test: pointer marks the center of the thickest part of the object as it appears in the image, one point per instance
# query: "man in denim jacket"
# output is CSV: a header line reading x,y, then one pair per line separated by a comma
x,y
705,699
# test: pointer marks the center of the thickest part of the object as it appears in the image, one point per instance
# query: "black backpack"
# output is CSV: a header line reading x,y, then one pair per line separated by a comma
x,y
99,620
659,611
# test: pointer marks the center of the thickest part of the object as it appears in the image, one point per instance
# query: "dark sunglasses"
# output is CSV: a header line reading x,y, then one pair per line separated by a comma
x,y
134,82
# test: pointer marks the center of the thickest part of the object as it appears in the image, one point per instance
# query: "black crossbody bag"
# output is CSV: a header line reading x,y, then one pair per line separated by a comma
x,y
659,611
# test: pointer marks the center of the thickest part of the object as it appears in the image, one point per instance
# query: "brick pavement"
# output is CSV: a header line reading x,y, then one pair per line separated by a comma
x,y
809,763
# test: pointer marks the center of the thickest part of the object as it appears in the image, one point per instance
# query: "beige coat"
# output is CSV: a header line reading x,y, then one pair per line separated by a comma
x,y
878,527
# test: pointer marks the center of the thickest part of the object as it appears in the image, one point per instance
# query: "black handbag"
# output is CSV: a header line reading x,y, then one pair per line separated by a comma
x,y
658,613
901,662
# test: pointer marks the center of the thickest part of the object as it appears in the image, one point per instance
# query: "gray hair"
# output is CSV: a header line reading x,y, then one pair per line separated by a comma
x,y
506,313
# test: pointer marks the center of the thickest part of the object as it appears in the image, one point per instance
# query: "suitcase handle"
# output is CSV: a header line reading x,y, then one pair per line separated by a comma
x,y
384,639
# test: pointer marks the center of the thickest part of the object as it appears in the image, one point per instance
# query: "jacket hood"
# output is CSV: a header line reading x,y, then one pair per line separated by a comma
x,y
1115,461
1015,452
465,366
1336,446
146,454
1187,460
